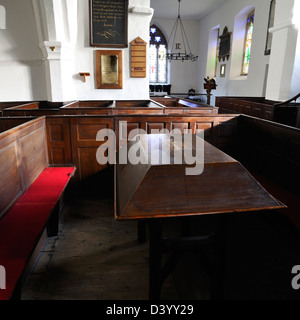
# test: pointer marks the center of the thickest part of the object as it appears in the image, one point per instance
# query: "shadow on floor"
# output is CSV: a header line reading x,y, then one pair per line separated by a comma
x,y
95,257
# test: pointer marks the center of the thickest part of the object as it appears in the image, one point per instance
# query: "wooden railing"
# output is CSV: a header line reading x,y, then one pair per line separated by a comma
x,y
287,102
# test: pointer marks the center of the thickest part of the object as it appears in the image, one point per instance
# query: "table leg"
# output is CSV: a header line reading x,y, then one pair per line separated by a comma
x,y
155,259
218,279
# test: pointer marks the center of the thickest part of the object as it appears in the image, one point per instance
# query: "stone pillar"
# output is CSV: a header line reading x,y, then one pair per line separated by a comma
x,y
57,29
283,51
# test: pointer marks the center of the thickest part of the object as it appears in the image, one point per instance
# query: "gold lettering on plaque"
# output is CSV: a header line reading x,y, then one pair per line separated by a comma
x,y
108,14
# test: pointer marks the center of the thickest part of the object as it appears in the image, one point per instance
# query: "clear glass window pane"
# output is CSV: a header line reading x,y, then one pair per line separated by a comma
x,y
162,64
153,63
157,56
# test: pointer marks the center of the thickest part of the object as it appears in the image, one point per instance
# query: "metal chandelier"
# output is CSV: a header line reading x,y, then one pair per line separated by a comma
x,y
180,55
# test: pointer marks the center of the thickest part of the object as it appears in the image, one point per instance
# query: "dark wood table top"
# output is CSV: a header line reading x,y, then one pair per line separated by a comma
x,y
158,190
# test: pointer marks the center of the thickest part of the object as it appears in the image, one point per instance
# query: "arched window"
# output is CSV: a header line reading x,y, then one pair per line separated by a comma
x,y
270,25
157,56
248,43
2,18
212,53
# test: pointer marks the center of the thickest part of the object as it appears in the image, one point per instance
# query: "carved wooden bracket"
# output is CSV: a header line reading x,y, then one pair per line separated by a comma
x,y
84,75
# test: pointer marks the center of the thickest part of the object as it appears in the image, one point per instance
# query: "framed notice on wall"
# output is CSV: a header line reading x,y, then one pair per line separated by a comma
x,y
109,69
109,23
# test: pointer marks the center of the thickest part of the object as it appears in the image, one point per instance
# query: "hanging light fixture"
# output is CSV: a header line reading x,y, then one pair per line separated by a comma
x,y
177,55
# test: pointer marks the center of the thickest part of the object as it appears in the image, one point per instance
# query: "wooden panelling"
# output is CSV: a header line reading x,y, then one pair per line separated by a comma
x,y
86,111
11,122
59,140
218,129
168,102
155,126
88,132
87,162
72,138
260,108
10,182
207,127
182,126
200,110
174,110
33,153
147,111
84,144
23,155
56,132
30,112
27,106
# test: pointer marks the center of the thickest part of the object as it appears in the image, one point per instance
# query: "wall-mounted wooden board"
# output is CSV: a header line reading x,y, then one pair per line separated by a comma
x,y
138,58
109,23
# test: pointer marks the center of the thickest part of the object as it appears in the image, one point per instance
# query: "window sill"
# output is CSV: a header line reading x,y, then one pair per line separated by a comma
x,y
241,77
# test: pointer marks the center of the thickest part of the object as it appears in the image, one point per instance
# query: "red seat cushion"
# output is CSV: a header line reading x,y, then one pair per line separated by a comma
x,y
19,231
48,186
21,227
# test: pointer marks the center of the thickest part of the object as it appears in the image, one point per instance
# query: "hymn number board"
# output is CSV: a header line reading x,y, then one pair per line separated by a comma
x,y
138,58
109,23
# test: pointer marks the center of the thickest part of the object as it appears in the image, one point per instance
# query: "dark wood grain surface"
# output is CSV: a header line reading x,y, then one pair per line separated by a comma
x,y
161,190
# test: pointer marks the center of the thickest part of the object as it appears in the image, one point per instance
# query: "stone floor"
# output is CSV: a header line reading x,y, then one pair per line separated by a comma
x,y
95,257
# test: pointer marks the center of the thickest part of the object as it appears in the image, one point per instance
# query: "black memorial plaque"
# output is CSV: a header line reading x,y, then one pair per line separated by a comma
x,y
108,23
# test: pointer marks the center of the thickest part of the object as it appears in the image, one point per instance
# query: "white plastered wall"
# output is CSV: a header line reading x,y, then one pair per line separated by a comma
x,y
182,75
133,88
230,14
32,71
21,67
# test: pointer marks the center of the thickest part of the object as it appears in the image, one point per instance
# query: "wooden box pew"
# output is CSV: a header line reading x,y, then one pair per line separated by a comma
x,y
137,107
7,123
32,109
87,107
72,139
271,152
10,104
85,111
183,106
137,110
110,111
191,111
111,108
219,130
166,101
30,200
261,108
137,103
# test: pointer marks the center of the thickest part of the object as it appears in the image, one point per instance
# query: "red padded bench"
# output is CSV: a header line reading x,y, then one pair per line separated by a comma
x,y
30,201
22,227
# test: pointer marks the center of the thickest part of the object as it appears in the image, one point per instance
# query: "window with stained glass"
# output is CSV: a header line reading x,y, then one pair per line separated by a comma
x,y
248,43
157,56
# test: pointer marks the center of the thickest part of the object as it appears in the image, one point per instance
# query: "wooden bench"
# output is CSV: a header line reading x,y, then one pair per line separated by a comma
x,y
31,196
261,108
271,152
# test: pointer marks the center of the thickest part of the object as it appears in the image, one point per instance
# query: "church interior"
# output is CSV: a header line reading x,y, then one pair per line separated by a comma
x,y
149,150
